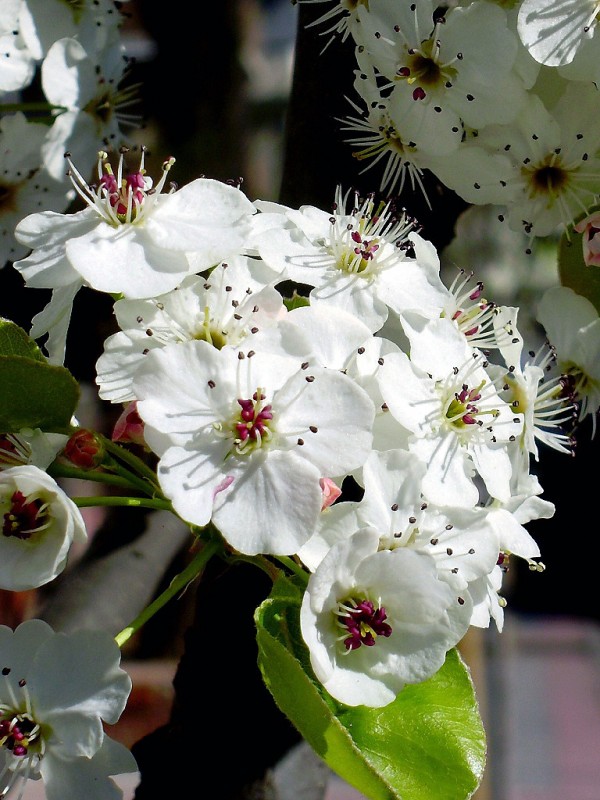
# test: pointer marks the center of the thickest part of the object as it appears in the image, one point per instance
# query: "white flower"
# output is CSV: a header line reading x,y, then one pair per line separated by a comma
x,y
378,139
341,19
39,524
554,30
451,70
17,64
573,329
131,240
24,185
94,22
30,446
461,541
245,437
52,728
543,403
544,166
460,426
375,620
364,259
224,308
96,106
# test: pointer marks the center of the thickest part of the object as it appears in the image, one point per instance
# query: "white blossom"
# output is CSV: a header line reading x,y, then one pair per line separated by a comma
x,y
375,620
460,426
52,728
227,307
245,437
574,333
363,258
39,524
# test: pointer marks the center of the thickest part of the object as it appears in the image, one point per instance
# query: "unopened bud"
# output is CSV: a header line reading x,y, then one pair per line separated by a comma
x,y
331,492
130,426
84,449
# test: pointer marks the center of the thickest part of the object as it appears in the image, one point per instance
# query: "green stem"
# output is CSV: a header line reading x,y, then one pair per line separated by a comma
x,y
63,471
297,569
179,582
142,484
10,108
132,502
133,461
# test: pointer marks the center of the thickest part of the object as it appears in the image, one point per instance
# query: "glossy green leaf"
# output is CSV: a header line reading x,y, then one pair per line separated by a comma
x,y
14,341
429,743
35,394
574,272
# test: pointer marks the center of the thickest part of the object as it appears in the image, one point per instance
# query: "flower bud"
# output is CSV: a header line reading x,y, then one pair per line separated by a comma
x,y
590,228
331,492
84,449
130,426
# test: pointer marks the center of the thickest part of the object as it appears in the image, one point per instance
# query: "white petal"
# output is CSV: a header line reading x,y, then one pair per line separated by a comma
x,y
272,506
125,261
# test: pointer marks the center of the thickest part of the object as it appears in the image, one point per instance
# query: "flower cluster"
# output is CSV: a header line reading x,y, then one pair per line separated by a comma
x,y
301,386
499,101
379,377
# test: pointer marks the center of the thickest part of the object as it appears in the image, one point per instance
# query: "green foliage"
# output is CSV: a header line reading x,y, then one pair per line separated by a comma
x,y
574,272
428,743
15,342
33,393
296,301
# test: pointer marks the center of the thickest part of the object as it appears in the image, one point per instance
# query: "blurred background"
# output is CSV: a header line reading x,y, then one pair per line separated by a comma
x,y
222,97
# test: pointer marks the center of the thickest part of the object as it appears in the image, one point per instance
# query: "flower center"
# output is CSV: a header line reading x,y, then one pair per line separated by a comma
x,y
362,622
547,177
575,383
355,257
251,425
77,7
462,410
21,736
516,395
352,5
209,333
357,238
26,516
17,731
119,199
423,67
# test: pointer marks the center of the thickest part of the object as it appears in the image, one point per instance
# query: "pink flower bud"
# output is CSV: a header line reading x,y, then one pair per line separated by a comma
x,y
130,426
590,228
330,490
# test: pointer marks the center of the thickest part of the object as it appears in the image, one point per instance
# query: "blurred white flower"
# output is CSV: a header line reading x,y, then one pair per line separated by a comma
x,y
52,728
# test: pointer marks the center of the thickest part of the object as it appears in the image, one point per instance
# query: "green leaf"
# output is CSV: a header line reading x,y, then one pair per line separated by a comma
x,y
35,394
574,272
15,342
428,743
296,301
